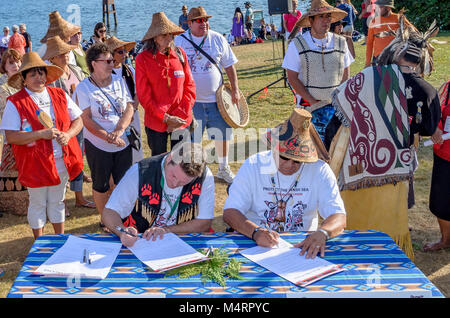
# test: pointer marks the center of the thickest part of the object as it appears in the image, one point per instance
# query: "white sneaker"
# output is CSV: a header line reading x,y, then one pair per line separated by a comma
x,y
225,174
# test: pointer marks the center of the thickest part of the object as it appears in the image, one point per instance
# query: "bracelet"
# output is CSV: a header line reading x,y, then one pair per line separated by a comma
x,y
327,235
254,232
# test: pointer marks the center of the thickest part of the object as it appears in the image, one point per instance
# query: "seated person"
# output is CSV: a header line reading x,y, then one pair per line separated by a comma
x,y
171,192
282,189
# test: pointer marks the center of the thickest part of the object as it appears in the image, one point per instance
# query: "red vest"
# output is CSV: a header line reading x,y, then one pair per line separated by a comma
x,y
36,164
443,150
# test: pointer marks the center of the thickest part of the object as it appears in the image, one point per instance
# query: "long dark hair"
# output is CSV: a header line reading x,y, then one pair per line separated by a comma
x,y
151,46
238,9
97,27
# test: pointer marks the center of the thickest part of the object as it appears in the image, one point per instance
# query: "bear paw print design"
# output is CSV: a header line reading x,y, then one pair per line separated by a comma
x,y
146,190
197,189
187,198
154,199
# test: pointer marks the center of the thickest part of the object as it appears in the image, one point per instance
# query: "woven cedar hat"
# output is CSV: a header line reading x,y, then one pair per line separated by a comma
x,y
56,46
197,13
114,43
297,139
59,26
320,7
161,25
31,60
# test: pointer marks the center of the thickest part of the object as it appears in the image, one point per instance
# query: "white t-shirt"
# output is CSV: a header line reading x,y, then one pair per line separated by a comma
x,y
125,194
11,118
253,194
206,75
88,94
4,41
291,59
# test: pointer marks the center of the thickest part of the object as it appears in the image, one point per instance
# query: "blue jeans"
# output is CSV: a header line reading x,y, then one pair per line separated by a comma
x,y
208,116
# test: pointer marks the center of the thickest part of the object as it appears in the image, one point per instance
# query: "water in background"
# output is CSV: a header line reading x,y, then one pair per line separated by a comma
x,y
133,16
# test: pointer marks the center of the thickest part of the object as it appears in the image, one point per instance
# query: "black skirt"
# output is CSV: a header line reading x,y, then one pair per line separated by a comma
x,y
440,188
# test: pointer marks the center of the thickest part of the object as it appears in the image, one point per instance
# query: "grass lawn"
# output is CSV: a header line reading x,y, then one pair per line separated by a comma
x,y
259,65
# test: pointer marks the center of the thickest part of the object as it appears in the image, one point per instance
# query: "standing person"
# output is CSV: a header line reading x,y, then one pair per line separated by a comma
x,y
164,85
249,18
107,112
57,53
440,188
4,41
27,36
238,26
13,196
58,26
290,19
346,6
381,108
98,36
386,21
77,56
317,61
182,20
366,15
208,79
17,41
120,50
46,158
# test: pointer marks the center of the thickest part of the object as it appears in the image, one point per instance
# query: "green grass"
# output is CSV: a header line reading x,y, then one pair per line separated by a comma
x,y
258,66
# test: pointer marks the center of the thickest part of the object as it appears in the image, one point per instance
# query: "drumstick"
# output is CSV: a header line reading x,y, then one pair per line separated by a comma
x,y
44,118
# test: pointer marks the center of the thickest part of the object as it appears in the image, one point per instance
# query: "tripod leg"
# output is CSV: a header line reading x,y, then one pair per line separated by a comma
x,y
273,83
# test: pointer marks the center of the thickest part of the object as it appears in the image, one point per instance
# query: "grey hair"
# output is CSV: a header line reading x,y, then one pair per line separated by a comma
x,y
15,28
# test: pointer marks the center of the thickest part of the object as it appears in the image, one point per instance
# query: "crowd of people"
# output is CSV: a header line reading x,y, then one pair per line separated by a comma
x,y
80,99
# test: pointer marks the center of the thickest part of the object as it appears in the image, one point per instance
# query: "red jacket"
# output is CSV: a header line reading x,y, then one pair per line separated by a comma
x,y
36,164
163,85
443,150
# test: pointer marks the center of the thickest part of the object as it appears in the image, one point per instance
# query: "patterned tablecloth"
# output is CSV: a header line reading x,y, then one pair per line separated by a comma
x,y
374,267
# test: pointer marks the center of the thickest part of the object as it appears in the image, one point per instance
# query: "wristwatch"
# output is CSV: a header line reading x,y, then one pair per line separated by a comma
x,y
254,232
327,235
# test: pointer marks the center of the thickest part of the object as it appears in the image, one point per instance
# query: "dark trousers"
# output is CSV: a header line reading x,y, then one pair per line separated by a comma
x,y
157,141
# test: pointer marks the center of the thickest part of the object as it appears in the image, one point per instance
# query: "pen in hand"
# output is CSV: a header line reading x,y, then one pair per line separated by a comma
x,y
118,228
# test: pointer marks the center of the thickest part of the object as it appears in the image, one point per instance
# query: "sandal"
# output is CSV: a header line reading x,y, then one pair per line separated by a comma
x,y
87,204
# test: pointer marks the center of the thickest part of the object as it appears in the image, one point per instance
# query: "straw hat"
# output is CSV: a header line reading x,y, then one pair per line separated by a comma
x,y
55,47
321,7
294,137
161,25
29,61
59,26
114,43
197,13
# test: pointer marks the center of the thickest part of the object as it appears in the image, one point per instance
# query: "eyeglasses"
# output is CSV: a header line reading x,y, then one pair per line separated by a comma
x,y
107,61
101,31
120,51
201,20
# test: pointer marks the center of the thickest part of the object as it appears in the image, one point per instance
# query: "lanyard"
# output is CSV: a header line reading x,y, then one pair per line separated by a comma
x,y
172,207
201,43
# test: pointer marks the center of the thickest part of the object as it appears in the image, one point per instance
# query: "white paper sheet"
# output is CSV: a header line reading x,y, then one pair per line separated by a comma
x,y
285,261
166,253
68,260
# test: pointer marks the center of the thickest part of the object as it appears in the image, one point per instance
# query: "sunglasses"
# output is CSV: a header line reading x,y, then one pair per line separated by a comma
x,y
201,20
107,61
120,51
101,31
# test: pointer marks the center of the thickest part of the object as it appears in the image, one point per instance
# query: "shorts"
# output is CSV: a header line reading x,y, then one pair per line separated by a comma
x,y
348,29
47,201
208,115
105,164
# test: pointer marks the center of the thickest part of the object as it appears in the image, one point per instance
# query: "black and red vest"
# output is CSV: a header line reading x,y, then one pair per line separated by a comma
x,y
148,204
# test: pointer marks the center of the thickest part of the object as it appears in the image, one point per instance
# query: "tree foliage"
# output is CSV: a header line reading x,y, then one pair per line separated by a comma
x,y
420,13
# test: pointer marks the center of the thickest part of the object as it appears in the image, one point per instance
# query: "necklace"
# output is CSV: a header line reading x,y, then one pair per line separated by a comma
x,y
322,47
282,201
198,56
